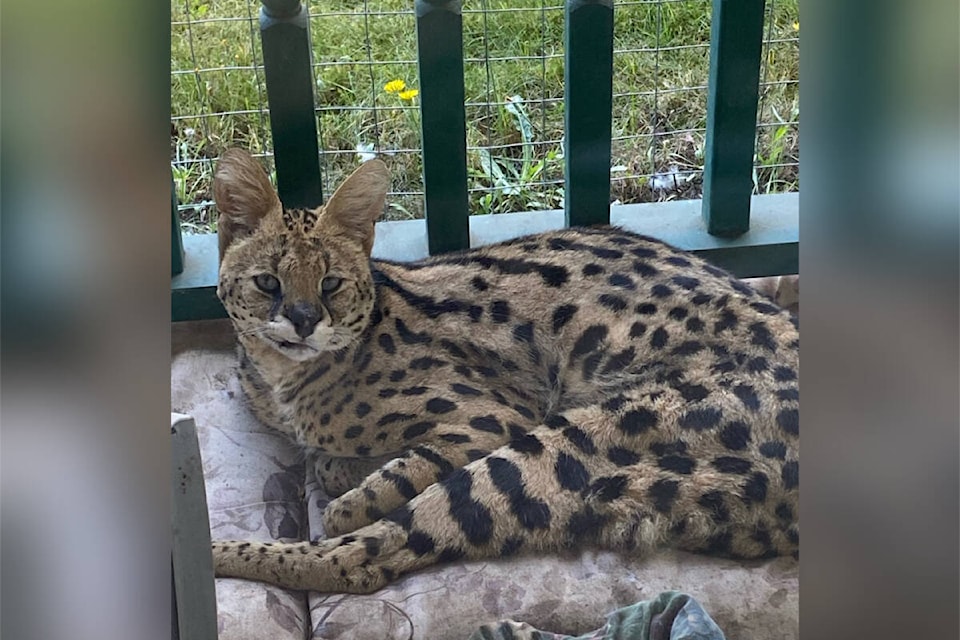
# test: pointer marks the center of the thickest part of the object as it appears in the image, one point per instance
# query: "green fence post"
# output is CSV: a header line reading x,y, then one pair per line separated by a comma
x,y
176,239
194,591
588,98
444,128
284,32
736,39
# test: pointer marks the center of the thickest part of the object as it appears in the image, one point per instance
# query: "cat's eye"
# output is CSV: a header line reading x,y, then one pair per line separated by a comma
x,y
267,283
330,284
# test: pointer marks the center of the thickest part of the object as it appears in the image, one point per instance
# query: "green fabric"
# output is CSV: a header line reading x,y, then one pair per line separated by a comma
x,y
670,616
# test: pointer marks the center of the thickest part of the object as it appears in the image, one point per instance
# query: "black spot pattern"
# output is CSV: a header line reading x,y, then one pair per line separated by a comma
x,y
730,464
612,302
556,421
663,493
450,554
701,419
693,392
532,513
784,512
579,438
523,332
718,543
608,489
620,361
637,329
453,349
791,474
748,396
589,340
418,429
411,337
465,390
455,438
488,423
393,418
669,448
677,464
688,348
590,364
755,489
414,391
511,546
622,281
789,421
735,435
686,282
361,409
637,421
765,308
386,343
586,524
728,320
499,311
784,374
774,449
571,474
715,505
661,291
644,252
420,543
622,457
761,336
403,486
440,405
659,338
562,315
527,443
788,394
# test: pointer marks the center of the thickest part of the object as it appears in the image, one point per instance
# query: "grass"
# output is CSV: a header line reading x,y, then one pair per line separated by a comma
x,y
514,106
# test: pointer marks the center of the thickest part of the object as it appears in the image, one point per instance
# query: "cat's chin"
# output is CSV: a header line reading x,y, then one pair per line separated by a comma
x,y
296,351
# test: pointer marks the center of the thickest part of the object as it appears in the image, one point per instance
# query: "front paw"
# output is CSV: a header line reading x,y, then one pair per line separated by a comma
x,y
347,513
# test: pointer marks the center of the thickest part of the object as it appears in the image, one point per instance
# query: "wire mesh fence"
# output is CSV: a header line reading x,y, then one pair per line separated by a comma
x,y
365,70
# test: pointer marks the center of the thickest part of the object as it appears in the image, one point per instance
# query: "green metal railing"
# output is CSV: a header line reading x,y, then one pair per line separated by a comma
x,y
724,235
736,34
440,59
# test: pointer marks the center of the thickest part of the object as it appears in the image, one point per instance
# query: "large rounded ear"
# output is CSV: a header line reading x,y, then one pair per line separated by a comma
x,y
243,194
358,202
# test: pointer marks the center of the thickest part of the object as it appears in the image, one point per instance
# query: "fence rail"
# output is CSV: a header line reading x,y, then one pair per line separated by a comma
x,y
461,161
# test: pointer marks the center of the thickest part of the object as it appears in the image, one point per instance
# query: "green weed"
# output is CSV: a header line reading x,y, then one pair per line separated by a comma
x,y
219,97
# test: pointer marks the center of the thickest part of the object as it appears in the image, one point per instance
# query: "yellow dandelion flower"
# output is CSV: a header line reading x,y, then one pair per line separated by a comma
x,y
395,86
409,94
796,26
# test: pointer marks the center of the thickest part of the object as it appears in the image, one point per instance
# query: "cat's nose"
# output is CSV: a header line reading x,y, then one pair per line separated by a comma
x,y
304,317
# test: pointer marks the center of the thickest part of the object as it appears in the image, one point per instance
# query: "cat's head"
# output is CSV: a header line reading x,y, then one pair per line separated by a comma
x,y
297,279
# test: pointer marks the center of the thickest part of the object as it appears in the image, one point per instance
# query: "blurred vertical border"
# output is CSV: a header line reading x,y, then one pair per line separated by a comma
x,y
879,347
85,319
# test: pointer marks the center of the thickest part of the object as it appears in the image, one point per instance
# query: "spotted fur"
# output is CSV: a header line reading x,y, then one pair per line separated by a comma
x,y
584,387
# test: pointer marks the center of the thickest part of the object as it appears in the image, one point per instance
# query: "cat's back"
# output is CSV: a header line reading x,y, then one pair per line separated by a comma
x,y
594,275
